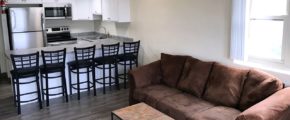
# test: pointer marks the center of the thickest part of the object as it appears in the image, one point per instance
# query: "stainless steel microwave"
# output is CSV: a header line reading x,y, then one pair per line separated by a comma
x,y
61,11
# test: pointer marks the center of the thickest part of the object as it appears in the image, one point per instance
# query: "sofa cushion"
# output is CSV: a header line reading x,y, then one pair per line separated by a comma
x,y
225,85
171,67
194,76
181,105
258,86
216,113
152,94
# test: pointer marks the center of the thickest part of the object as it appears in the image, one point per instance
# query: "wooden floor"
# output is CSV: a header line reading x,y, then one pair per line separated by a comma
x,y
88,108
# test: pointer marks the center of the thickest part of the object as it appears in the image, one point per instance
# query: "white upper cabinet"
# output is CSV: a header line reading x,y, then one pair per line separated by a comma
x,y
97,7
109,10
56,1
37,1
116,10
86,9
23,1
81,10
124,11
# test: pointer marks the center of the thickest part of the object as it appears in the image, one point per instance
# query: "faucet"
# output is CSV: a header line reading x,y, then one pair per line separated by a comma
x,y
105,30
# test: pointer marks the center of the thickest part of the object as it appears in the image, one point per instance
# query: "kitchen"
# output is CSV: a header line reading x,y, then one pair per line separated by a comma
x,y
57,24
85,17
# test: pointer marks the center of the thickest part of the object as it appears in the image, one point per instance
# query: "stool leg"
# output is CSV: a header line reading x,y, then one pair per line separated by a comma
x,y
94,78
38,92
110,76
78,83
88,80
104,79
14,91
18,96
137,64
116,76
41,84
64,85
47,90
70,84
125,72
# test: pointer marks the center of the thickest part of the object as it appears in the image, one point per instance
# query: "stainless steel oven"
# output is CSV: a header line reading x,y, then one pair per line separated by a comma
x,y
60,11
59,36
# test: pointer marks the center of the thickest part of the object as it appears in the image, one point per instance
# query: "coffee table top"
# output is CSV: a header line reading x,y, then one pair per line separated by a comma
x,y
140,111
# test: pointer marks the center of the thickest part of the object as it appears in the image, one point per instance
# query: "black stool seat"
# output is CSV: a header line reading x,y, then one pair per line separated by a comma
x,y
105,60
52,68
25,66
25,72
80,64
127,57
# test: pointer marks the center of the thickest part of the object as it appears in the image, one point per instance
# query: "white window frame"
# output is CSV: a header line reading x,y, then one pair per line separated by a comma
x,y
239,30
284,54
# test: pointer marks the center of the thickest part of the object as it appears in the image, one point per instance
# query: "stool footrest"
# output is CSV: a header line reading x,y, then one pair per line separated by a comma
x,y
28,93
55,94
21,83
28,100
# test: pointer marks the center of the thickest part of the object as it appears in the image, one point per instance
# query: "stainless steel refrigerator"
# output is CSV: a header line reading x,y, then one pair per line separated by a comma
x,y
26,27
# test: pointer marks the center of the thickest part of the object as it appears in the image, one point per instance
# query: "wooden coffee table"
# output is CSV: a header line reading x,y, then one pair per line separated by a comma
x,y
139,111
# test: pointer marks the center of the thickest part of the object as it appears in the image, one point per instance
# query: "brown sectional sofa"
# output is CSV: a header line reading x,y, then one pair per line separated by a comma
x,y
186,88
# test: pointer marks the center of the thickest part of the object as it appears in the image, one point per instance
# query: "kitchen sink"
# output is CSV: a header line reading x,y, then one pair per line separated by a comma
x,y
93,38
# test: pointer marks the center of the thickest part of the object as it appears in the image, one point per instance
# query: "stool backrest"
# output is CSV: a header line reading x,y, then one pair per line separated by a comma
x,y
25,60
53,57
87,53
110,50
131,48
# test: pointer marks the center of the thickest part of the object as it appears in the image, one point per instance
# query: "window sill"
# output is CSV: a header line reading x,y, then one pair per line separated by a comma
x,y
282,69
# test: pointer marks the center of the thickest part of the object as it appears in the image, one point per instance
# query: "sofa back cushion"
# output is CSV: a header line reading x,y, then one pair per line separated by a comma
x,y
258,86
171,68
225,85
194,76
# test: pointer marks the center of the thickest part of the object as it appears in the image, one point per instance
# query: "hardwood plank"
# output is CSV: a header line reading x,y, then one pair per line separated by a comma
x,y
88,108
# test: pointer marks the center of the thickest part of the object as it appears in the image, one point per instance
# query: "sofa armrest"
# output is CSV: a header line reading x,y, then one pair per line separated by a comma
x,y
275,107
144,76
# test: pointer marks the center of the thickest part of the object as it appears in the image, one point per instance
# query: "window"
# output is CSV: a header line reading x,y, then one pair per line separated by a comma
x,y
266,28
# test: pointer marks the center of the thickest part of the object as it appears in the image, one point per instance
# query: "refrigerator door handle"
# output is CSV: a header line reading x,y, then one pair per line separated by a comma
x,y
14,19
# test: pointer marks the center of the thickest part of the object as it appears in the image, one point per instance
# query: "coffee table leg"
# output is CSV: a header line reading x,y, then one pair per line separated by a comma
x,y
112,117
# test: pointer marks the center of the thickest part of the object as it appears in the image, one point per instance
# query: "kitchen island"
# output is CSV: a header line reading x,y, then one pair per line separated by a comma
x,y
69,57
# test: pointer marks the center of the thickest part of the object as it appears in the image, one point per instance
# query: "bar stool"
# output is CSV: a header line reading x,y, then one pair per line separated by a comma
x,y
25,66
84,59
108,61
130,54
53,62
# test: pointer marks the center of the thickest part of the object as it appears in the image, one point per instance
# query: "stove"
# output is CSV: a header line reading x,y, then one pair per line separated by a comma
x,y
59,36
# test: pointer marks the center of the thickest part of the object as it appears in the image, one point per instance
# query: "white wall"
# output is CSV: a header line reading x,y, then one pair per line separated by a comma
x,y
199,28
75,26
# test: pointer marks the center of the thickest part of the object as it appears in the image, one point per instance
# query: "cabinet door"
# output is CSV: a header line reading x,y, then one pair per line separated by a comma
x,y
124,11
32,1
64,1
97,7
82,10
14,1
109,10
